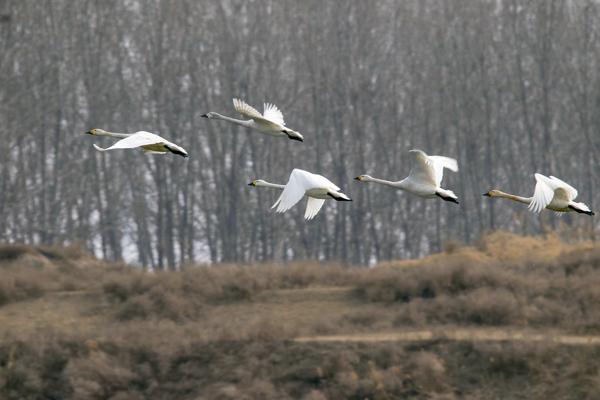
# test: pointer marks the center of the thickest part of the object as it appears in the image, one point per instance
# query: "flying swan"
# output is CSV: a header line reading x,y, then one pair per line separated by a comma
x,y
270,122
424,178
149,142
302,183
551,193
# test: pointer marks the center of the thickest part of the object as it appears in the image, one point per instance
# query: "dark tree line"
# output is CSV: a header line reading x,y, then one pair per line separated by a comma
x,y
506,87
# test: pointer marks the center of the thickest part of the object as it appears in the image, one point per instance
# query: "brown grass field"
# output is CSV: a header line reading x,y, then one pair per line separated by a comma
x,y
507,318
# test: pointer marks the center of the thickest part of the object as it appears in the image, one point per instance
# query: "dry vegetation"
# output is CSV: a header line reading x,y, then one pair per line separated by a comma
x,y
75,327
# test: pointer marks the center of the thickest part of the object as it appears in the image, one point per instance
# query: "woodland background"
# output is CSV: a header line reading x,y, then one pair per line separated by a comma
x,y
508,88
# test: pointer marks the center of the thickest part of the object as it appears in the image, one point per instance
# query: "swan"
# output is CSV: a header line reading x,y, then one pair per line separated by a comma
x,y
302,183
149,142
551,193
270,122
424,178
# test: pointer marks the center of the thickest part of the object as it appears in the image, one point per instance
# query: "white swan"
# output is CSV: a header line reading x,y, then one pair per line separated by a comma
x,y
149,142
302,183
269,122
424,178
551,193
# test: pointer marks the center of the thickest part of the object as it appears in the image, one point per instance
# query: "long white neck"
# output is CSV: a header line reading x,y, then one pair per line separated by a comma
x,y
114,134
520,199
246,123
269,185
397,185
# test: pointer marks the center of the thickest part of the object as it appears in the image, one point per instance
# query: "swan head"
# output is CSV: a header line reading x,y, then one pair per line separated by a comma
x,y
493,193
95,131
257,182
209,115
363,178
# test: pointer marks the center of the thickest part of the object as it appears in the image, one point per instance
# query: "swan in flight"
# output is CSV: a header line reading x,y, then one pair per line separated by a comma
x,y
424,178
302,183
270,122
149,142
551,193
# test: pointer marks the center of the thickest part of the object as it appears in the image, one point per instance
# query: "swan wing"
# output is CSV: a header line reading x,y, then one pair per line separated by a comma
x,y
248,111
543,193
423,170
300,181
441,162
137,139
293,191
570,191
312,207
272,113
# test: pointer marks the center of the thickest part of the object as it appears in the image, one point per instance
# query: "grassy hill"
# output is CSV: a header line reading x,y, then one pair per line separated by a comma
x,y
510,317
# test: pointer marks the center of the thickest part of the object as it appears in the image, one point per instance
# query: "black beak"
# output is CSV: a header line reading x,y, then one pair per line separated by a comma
x,y
486,195
296,138
357,178
88,133
251,184
204,115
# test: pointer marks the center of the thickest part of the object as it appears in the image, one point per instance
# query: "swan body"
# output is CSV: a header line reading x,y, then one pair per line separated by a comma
x,y
550,193
270,122
149,142
424,178
302,183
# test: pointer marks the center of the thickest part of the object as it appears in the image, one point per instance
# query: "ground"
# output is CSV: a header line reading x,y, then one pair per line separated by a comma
x,y
474,322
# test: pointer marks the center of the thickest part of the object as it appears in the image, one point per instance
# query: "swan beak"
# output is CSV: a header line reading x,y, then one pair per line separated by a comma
x,y
88,133
204,115
357,178
296,138
251,184
486,194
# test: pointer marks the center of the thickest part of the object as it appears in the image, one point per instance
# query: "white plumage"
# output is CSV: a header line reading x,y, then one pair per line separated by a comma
x,y
302,183
425,176
270,122
148,142
550,193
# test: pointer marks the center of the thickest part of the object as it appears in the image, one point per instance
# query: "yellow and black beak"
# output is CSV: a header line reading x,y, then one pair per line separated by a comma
x,y
357,178
252,183
88,132
487,194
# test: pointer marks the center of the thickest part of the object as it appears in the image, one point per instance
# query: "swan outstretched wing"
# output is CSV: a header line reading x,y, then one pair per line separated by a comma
x,y
430,169
570,191
300,181
250,112
312,207
138,139
422,170
246,110
439,163
543,194
272,113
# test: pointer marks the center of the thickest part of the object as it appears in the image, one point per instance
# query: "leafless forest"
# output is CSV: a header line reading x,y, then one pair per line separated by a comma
x,y
508,88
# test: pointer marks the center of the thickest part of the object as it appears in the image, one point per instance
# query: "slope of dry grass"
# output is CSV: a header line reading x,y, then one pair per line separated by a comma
x,y
73,327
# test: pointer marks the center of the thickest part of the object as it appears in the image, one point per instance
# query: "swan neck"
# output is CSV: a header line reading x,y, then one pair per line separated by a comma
x,y
270,185
234,120
385,182
514,197
114,134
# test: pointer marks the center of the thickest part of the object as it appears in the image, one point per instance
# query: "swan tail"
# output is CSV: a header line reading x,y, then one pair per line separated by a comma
x,y
447,195
339,196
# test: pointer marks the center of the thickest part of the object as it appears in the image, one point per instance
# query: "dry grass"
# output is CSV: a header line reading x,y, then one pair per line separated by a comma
x,y
72,327
504,280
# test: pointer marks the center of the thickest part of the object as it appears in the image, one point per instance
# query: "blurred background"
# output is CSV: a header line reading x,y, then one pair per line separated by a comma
x,y
508,88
